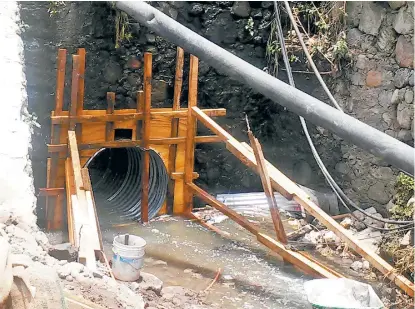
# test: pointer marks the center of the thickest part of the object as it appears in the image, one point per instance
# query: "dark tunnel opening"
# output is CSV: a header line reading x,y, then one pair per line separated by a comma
x,y
116,181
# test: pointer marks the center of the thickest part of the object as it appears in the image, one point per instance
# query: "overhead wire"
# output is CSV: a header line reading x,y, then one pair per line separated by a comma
x,y
337,190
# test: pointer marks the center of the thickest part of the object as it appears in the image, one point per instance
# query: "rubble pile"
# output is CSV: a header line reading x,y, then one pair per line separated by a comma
x,y
30,253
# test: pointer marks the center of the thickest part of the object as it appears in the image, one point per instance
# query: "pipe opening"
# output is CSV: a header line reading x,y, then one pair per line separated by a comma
x,y
116,181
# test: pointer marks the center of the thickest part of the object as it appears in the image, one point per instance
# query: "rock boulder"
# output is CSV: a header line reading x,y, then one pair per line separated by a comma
x,y
404,21
371,18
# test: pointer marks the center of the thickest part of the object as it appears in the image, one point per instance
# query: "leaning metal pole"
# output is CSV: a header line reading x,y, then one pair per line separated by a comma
x,y
317,112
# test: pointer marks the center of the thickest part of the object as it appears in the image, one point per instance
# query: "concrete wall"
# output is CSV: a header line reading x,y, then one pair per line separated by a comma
x,y
17,200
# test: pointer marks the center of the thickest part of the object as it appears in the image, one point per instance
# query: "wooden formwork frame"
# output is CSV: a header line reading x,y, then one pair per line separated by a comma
x,y
163,130
180,141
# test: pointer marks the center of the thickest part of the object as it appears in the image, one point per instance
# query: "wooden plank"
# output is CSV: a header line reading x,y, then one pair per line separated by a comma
x,y
86,228
215,229
125,143
182,113
286,187
180,175
171,166
208,139
314,260
81,89
296,258
223,208
74,92
109,126
69,193
81,81
76,163
51,203
60,81
90,195
266,184
190,134
51,191
146,135
139,109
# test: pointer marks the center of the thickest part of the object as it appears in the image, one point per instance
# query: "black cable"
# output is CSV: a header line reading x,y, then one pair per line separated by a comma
x,y
338,191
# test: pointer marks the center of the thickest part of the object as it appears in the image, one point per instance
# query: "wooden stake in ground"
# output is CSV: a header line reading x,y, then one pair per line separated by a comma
x,y
178,82
266,184
146,135
190,134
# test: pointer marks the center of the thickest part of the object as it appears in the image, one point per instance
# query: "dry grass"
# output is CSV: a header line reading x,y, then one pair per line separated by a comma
x,y
404,260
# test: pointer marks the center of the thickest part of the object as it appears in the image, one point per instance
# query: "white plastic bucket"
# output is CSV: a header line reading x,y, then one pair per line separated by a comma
x,y
127,260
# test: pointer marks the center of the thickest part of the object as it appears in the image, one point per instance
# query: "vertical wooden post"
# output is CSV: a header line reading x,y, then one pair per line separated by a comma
x,y
109,126
73,108
139,109
266,184
190,134
69,191
178,82
81,89
54,209
146,135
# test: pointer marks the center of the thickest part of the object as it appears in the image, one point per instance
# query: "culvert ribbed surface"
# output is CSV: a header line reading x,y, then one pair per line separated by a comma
x,y
116,181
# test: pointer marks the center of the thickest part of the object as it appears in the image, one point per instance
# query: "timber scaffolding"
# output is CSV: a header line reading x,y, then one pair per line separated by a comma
x,y
77,134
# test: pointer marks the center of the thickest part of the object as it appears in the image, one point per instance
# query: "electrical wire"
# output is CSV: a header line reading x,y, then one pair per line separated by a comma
x,y
338,191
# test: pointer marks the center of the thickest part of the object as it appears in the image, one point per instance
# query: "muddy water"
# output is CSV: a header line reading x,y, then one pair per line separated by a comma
x,y
251,276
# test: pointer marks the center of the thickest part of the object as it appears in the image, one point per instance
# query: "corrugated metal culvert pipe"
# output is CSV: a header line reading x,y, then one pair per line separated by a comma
x,y
116,181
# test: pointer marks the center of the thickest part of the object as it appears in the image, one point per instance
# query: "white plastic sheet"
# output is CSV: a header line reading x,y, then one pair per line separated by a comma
x,y
341,294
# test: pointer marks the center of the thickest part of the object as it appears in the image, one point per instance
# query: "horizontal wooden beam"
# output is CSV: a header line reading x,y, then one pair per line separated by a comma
x,y
193,216
284,185
223,208
51,191
180,175
129,143
62,119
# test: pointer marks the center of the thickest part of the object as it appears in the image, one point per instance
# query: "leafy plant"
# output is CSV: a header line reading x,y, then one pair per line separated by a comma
x,y
273,50
122,27
293,58
402,210
323,30
54,6
250,26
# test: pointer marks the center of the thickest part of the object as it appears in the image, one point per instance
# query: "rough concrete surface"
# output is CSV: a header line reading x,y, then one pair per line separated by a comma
x,y
16,183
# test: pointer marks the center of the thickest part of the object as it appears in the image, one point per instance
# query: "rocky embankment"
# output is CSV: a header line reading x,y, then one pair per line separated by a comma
x,y
72,283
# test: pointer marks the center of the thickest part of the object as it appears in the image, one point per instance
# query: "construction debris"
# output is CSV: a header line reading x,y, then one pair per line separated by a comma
x,y
44,277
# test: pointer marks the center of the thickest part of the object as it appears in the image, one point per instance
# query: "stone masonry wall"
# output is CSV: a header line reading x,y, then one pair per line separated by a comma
x,y
378,90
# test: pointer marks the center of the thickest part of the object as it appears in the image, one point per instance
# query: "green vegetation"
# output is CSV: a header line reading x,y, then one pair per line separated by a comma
x,y
402,210
54,6
122,27
250,26
403,257
322,25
